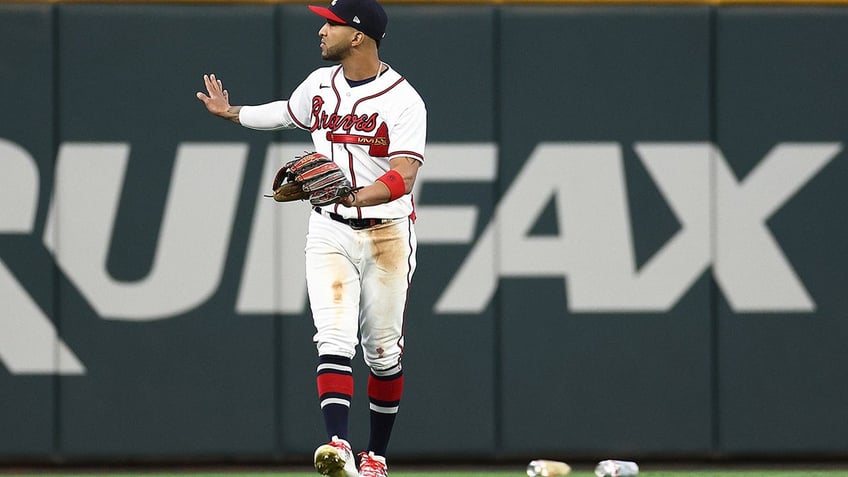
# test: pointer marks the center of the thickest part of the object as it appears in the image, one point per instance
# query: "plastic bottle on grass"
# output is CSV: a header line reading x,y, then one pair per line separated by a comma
x,y
616,468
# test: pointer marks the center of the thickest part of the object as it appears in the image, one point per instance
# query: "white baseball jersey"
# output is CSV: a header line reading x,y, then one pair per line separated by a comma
x,y
358,279
361,128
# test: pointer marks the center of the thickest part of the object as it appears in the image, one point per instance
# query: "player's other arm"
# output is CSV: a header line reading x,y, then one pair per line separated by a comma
x,y
264,117
398,181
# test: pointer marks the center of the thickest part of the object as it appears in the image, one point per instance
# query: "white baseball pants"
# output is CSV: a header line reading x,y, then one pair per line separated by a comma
x,y
358,282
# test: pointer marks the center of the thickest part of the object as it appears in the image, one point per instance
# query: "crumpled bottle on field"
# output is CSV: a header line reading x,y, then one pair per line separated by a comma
x,y
616,468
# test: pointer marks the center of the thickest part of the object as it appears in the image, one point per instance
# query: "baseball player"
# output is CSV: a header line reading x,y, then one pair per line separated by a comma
x,y
360,250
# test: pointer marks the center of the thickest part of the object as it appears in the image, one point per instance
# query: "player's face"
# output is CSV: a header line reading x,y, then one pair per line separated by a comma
x,y
335,41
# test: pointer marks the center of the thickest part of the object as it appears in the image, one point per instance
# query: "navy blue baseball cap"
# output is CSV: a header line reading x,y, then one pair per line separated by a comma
x,y
366,16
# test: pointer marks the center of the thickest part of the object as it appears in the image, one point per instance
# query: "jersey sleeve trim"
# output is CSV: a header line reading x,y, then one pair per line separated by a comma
x,y
412,154
294,118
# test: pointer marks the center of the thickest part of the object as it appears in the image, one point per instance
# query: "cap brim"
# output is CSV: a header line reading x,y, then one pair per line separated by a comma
x,y
326,13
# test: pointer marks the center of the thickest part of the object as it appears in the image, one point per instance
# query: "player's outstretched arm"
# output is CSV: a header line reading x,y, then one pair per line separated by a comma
x,y
217,99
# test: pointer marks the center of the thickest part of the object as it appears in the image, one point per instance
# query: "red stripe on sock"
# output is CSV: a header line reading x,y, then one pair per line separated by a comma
x,y
335,383
382,390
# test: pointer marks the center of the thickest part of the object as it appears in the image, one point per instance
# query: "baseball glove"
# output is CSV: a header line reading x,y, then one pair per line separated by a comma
x,y
313,176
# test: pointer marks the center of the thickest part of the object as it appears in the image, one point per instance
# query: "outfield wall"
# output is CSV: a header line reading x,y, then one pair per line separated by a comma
x,y
631,229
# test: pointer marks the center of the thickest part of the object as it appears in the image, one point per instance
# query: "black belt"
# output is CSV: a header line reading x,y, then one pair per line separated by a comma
x,y
355,224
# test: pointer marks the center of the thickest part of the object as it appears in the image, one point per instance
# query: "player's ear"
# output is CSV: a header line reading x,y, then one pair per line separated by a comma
x,y
358,38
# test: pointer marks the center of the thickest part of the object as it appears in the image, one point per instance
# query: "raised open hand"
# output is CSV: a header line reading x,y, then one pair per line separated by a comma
x,y
217,99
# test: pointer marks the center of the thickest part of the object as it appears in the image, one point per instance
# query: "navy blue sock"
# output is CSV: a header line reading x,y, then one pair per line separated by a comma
x,y
335,390
384,393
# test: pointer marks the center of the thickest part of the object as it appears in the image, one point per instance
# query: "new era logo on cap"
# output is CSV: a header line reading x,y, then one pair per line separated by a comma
x,y
367,15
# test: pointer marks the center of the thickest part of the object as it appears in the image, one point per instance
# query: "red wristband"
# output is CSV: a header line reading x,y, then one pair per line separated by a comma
x,y
394,181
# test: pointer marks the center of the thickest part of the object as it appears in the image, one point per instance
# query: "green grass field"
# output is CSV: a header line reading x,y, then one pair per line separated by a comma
x,y
645,472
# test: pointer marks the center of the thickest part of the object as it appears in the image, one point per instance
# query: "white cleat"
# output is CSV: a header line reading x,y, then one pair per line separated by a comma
x,y
371,465
335,459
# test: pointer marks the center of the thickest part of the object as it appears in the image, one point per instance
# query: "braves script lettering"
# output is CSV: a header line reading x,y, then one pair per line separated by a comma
x,y
334,122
